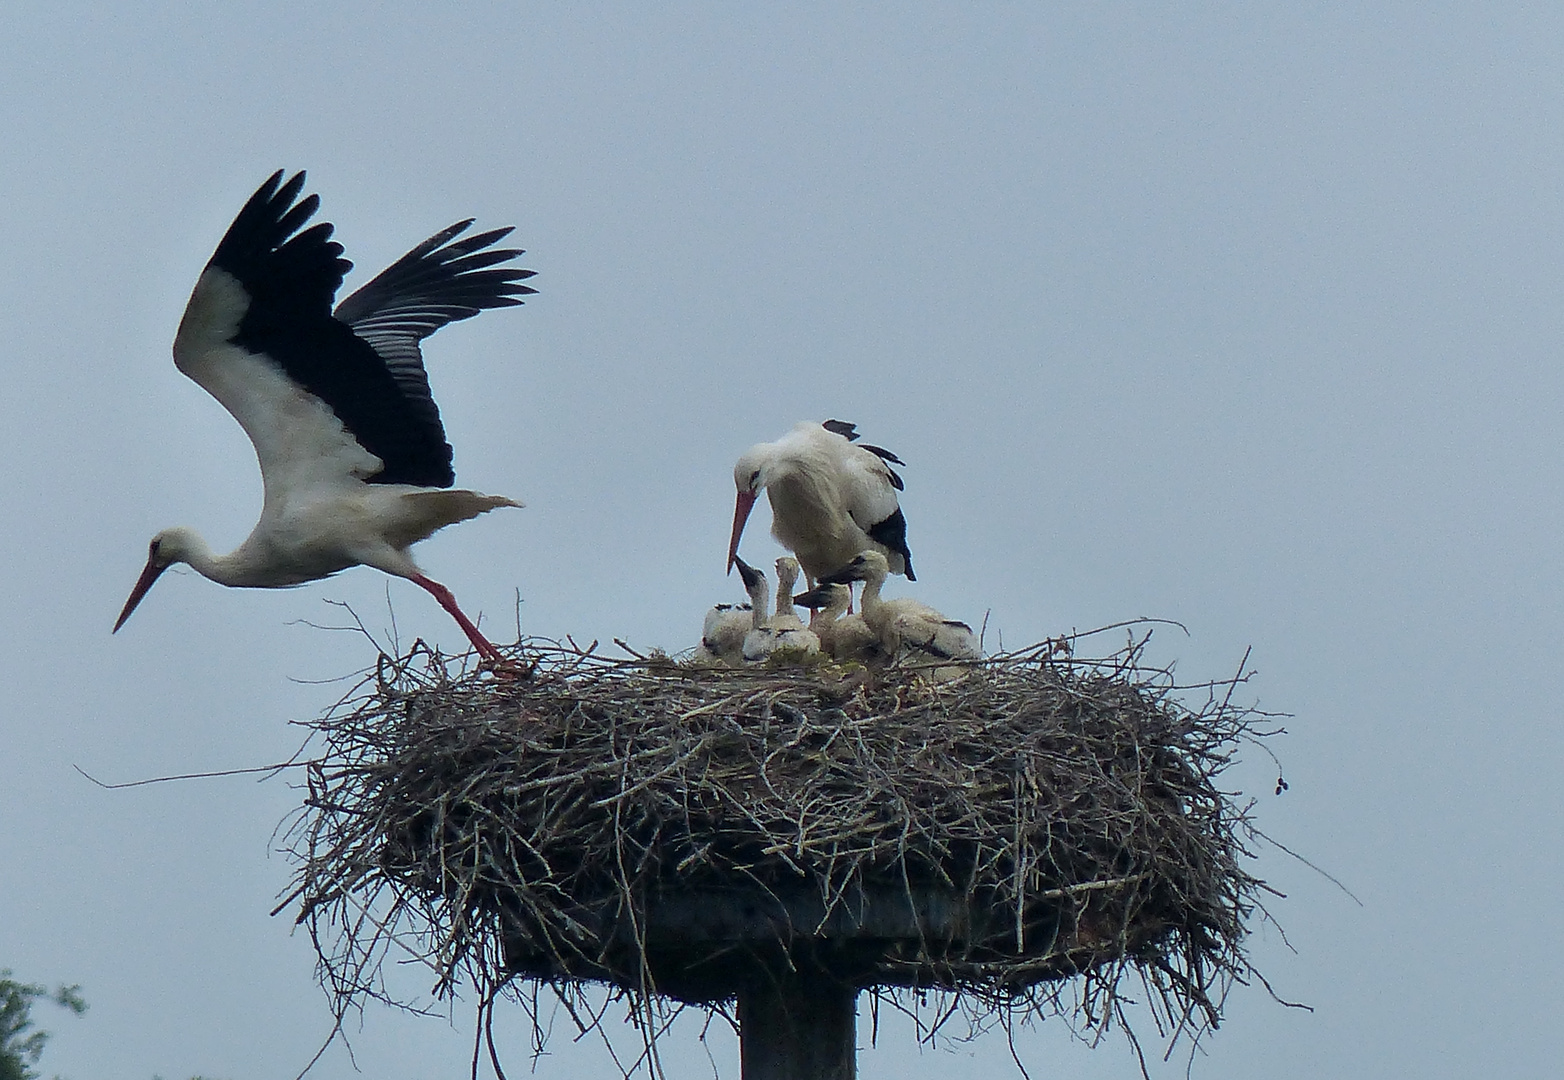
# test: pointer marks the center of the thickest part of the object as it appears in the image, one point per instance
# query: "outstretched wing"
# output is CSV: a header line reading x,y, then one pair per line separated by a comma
x,y
442,280
319,402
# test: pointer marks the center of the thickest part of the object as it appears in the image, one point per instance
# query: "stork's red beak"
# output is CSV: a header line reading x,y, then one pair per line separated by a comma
x,y
148,576
741,509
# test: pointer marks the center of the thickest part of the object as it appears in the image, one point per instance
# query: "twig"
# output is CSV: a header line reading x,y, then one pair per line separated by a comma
x,y
191,776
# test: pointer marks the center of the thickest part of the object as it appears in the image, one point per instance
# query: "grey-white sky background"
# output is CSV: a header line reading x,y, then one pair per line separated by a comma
x,y
1245,318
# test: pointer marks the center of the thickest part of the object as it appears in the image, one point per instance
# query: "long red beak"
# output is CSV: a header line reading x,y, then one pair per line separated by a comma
x,y
741,509
153,570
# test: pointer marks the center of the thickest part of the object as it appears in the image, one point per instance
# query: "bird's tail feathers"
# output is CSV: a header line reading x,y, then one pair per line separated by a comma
x,y
429,511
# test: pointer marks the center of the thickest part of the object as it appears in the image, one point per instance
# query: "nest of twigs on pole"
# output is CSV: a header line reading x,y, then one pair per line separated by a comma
x,y
1042,820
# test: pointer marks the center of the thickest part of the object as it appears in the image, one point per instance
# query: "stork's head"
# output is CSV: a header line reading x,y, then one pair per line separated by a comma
x,y
787,573
830,598
755,584
751,576
867,566
749,476
167,548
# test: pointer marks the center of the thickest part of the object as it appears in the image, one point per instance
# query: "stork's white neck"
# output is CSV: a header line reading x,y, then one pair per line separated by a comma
x,y
182,545
841,600
787,577
870,600
760,603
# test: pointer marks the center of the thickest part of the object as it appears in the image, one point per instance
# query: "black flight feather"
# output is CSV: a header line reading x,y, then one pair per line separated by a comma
x,y
363,362
850,433
883,454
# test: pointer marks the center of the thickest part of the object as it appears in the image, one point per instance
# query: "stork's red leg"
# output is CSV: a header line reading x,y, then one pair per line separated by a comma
x,y
485,647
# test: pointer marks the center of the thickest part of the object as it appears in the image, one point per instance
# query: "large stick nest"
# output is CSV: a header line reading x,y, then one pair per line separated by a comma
x,y
672,830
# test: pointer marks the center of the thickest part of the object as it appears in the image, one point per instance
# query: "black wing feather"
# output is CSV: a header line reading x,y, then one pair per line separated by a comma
x,y
442,280
291,278
892,532
850,433
883,454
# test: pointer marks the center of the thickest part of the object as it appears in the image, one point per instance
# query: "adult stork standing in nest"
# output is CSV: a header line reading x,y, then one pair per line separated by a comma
x,y
354,462
831,498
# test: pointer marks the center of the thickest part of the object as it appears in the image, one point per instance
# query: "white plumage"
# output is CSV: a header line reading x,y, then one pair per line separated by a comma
x,y
764,638
786,617
722,634
906,627
354,463
830,498
843,636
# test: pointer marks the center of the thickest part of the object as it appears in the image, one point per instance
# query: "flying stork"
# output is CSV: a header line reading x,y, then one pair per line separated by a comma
x,y
830,498
353,457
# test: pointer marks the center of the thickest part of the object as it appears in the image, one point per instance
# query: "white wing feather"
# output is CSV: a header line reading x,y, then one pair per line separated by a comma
x,y
299,442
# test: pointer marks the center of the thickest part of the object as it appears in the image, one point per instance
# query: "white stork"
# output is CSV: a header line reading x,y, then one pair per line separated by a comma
x,y
844,636
830,498
764,638
354,462
786,617
905,626
722,634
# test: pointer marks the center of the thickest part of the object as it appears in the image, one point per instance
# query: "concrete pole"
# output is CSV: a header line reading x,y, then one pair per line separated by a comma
x,y
797,1027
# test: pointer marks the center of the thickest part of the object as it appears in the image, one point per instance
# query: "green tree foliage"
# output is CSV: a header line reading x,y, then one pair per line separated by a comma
x,y
21,1043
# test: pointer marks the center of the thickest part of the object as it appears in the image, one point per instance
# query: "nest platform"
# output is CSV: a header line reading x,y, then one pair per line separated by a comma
x,y
705,833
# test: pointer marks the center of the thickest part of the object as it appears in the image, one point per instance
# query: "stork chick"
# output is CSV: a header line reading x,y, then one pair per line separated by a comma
x,y
905,627
722,635
786,618
763,639
845,637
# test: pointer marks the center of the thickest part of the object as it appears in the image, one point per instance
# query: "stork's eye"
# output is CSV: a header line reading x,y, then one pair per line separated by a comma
x,y
152,548
754,478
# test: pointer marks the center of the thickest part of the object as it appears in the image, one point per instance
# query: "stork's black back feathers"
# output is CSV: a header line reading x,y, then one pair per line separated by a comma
x,y
850,433
892,532
363,362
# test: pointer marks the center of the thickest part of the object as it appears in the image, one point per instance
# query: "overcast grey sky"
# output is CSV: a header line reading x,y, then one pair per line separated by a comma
x,y
1245,318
